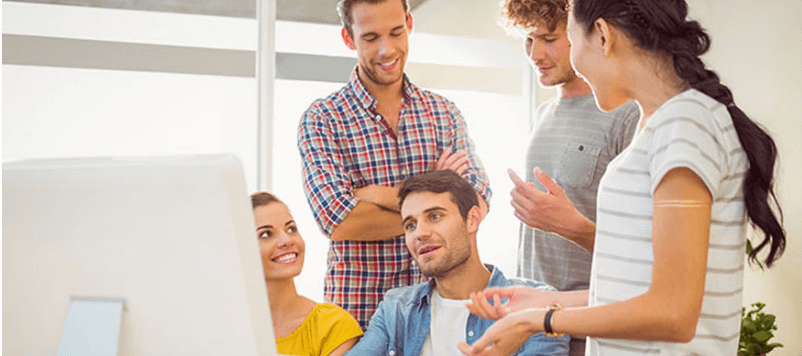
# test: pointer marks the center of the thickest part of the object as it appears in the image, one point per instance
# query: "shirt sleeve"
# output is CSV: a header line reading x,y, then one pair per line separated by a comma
x,y
542,345
685,136
336,327
376,339
475,174
326,182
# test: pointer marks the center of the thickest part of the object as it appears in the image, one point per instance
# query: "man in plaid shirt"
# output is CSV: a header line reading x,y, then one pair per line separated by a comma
x,y
360,142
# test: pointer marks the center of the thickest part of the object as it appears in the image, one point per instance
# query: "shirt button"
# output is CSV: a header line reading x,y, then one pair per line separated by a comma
x,y
470,333
392,352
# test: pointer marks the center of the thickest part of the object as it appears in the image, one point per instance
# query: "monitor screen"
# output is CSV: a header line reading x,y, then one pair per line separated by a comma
x,y
172,237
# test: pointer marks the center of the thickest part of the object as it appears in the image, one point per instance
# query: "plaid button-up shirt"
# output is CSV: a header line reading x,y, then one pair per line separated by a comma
x,y
345,144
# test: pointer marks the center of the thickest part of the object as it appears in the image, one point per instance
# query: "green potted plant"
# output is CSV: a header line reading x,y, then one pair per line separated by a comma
x,y
756,331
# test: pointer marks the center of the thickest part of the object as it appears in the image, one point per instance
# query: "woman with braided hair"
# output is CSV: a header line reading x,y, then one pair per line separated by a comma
x,y
673,208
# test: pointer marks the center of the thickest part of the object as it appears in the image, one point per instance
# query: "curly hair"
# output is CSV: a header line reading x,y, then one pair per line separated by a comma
x,y
526,15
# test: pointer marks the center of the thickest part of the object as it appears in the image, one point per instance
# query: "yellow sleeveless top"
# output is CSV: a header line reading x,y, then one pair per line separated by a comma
x,y
325,328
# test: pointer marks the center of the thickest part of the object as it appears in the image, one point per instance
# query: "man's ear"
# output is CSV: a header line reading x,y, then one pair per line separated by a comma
x,y
606,37
409,22
473,219
349,42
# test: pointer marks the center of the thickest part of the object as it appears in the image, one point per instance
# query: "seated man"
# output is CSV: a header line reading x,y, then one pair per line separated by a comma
x,y
441,216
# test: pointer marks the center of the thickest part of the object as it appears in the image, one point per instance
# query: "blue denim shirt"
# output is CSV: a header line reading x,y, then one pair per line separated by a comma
x,y
401,322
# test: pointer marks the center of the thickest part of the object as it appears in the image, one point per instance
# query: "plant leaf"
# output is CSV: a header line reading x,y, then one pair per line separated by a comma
x,y
749,250
762,336
749,326
768,321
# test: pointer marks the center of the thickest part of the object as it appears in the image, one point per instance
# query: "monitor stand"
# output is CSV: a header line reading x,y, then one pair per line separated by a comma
x,y
92,327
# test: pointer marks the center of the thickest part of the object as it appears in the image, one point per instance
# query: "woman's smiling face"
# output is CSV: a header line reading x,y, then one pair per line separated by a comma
x,y
281,246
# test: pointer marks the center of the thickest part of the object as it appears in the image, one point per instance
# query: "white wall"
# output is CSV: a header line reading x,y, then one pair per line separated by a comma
x,y
468,18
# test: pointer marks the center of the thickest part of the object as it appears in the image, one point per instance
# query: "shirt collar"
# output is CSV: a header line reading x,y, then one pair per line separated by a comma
x,y
496,279
366,99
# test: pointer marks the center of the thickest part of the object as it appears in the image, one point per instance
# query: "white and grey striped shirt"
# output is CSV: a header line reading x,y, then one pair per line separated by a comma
x,y
694,131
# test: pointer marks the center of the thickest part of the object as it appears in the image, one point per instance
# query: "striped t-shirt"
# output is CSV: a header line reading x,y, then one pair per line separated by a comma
x,y
573,142
694,131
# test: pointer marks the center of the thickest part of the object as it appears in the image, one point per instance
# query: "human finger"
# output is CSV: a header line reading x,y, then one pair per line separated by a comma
x,y
463,167
526,199
501,310
479,347
472,351
459,164
528,191
465,348
446,152
514,177
523,206
547,182
481,307
474,306
454,158
489,308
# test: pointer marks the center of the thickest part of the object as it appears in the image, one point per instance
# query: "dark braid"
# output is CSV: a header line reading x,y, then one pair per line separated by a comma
x,y
661,26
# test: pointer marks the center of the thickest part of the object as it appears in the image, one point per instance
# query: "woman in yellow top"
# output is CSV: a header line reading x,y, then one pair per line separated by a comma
x,y
302,326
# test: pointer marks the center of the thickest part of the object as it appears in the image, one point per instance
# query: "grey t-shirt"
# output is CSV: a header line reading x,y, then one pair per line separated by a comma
x,y
572,141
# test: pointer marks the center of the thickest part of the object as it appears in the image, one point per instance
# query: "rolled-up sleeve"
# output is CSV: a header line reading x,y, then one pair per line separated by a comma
x,y
326,182
475,174
542,345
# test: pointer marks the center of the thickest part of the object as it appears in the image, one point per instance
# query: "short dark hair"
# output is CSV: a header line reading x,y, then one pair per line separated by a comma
x,y
263,198
526,15
462,193
344,9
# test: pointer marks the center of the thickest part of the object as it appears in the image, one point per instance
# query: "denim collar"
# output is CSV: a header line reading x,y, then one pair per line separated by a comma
x,y
423,294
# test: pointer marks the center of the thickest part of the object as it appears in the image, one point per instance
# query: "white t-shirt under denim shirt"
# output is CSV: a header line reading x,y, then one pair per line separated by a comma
x,y
449,318
694,131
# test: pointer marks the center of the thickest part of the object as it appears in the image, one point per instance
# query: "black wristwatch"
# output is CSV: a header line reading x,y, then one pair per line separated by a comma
x,y
547,321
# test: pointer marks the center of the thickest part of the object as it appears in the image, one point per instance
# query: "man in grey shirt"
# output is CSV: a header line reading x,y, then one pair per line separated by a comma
x,y
572,141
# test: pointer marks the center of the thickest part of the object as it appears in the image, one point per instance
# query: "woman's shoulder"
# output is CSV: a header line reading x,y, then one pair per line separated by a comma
x,y
328,311
691,111
333,324
690,104
325,318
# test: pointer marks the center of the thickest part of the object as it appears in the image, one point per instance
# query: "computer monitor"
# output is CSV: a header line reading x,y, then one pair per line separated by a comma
x,y
173,237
